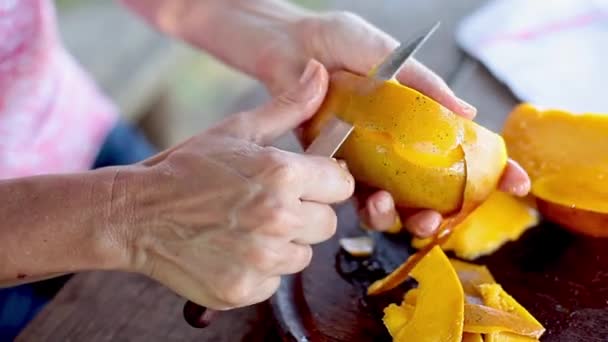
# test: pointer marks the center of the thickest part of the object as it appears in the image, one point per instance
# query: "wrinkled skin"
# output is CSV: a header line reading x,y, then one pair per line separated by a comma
x,y
222,216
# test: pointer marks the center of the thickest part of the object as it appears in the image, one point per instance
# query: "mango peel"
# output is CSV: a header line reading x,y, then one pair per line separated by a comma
x,y
496,315
565,155
499,219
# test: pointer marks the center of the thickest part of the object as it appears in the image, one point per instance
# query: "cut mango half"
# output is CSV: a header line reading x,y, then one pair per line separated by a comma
x,y
551,141
566,156
501,218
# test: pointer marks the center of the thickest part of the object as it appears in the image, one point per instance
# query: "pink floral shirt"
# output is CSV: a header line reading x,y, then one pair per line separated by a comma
x,y
52,117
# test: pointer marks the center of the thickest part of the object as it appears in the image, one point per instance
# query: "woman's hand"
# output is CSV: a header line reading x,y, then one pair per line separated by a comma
x,y
222,216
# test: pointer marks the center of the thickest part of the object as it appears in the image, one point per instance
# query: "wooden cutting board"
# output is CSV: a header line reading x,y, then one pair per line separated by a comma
x,y
561,278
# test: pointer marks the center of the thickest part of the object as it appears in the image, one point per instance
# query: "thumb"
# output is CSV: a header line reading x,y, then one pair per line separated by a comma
x,y
288,110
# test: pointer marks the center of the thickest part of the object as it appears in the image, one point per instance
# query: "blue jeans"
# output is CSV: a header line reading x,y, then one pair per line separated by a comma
x,y
18,305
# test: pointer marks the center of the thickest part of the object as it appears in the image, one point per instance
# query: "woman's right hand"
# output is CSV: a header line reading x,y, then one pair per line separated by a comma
x,y
221,217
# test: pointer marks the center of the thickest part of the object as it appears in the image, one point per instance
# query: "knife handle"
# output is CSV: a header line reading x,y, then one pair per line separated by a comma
x,y
198,316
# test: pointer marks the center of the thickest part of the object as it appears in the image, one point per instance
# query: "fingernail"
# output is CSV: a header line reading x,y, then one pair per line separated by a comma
x,y
467,108
343,165
521,189
384,205
309,72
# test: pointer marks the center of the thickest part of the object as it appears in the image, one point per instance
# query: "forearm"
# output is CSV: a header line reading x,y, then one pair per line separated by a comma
x,y
241,33
58,224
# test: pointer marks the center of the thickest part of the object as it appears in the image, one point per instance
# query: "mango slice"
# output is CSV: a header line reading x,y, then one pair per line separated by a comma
x,y
495,297
434,318
485,320
501,218
408,144
471,276
395,317
552,141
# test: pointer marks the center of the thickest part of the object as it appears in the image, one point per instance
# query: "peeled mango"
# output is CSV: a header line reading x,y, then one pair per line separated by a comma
x,y
450,290
411,146
566,156
499,219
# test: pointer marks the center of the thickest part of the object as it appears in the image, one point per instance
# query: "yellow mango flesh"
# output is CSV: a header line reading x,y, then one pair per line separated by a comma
x,y
501,218
586,190
437,318
552,141
406,143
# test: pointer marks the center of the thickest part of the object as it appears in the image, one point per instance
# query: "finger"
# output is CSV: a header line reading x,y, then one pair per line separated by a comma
x,y
379,212
314,178
515,180
423,223
417,76
284,112
297,257
319,223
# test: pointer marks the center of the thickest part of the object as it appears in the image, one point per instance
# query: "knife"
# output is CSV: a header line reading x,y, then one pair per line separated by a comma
x,y
328,142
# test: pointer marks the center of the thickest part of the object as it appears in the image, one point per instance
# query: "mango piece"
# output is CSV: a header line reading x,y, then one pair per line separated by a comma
x,y
411,297
469,337
439,311
471,276
408,144
552,141
395,317
495,297
501,218
483,319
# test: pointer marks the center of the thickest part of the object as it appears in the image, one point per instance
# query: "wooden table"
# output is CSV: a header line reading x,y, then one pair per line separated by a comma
x,y
111,306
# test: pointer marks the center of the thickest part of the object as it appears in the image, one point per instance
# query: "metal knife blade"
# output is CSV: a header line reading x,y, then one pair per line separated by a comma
x,y
331,137
391,65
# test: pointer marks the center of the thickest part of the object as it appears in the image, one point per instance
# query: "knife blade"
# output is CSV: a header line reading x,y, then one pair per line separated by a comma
x,y
392,64
328,142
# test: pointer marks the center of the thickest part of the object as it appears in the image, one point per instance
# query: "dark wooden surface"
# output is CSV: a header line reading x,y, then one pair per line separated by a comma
x,y
108,306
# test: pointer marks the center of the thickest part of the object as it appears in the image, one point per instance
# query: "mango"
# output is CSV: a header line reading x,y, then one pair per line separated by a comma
x,y
499,219
495,297
434,317
408,144
566,156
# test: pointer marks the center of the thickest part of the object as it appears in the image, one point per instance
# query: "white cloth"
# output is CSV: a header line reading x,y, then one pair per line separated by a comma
x,y
551,53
